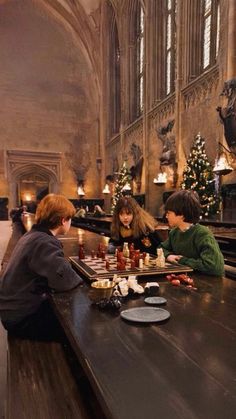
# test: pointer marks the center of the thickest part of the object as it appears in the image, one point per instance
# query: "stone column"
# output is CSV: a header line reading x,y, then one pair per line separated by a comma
x,y
13,198
179,81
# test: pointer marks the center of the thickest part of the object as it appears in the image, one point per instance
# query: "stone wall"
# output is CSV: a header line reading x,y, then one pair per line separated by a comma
x,y
54,83
49,97
192,106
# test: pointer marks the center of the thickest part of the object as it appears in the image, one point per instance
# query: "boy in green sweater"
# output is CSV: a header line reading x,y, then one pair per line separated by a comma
x,y
190,243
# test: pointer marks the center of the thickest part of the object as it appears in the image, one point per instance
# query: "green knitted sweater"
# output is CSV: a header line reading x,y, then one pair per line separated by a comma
x,y
199,249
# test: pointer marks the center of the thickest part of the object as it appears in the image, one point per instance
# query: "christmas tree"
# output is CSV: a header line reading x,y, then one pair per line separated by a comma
x,y
198,176
122,185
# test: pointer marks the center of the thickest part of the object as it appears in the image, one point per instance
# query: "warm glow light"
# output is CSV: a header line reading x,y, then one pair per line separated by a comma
x,y
126,187
161,179
81,191
106,190
27,197
81,236
222,166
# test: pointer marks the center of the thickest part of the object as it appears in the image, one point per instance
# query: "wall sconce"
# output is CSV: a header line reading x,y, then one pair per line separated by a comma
x,y
99,163
80,189
106,189
161,178
222,165
109,185
126,187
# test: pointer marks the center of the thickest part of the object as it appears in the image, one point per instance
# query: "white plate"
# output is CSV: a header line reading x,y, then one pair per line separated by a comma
x,y
155,300
145,314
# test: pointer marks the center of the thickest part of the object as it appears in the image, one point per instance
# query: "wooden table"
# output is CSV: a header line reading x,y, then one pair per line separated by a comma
x,y
183,368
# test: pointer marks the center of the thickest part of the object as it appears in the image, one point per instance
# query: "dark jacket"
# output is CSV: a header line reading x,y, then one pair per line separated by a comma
x,y
146,243
37,267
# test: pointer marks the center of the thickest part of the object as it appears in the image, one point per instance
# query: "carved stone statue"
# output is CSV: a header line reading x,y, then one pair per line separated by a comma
x,y
115,165
168,156
137,168
78,158
228,114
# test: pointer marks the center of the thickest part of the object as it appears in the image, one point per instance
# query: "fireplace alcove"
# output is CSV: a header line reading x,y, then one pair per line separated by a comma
x,y
31,175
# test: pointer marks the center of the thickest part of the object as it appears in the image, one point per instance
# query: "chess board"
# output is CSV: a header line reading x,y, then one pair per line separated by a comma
x,y
95,268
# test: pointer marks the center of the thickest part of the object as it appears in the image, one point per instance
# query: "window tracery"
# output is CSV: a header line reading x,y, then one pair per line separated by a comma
x,y
114,90
203,26
211,23
170,46
140,59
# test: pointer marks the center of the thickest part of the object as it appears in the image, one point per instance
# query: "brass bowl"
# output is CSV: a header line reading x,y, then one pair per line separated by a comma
x,y
101,289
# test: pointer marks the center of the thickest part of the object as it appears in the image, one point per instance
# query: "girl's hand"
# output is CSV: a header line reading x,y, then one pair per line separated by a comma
x,y
173,258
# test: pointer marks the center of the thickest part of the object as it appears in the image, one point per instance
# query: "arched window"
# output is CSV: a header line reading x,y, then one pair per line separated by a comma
x,y
140,59
114,90
203,36
162,26
170,46
136,54
211,23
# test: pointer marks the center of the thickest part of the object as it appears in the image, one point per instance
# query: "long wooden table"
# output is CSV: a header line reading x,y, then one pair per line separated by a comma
x,y
182,368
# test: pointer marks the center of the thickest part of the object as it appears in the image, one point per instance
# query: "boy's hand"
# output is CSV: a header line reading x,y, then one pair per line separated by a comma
x,y
173,258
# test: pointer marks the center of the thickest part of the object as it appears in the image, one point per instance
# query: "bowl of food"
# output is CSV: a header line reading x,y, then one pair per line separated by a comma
x,y
100,289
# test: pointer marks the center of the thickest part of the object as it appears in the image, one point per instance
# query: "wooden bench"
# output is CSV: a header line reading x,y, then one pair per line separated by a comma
x,y
230,271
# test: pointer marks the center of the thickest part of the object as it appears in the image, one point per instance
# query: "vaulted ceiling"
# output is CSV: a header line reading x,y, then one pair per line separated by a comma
x,y
83,18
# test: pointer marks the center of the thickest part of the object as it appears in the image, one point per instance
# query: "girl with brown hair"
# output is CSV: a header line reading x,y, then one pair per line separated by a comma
x,y
133,224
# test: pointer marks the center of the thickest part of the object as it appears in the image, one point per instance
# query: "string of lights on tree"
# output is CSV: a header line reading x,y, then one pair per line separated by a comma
x,y
122,185
198,175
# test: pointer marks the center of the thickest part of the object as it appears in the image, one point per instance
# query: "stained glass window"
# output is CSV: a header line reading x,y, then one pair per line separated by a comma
x,y
140,59
170,46
211,26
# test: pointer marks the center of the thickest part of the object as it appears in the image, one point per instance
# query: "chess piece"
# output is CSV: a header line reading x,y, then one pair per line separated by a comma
x,y
119,256
100,250
151,288
141,263
132,263
121,289
131,250
125,250
92,254
122,264
134,286
137,257
160,261
147,259
81,251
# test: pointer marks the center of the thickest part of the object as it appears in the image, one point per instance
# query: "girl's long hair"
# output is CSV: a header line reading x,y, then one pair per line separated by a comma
x,y
142,221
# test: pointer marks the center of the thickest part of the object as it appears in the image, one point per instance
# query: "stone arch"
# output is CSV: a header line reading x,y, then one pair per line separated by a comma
x,y
30,165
